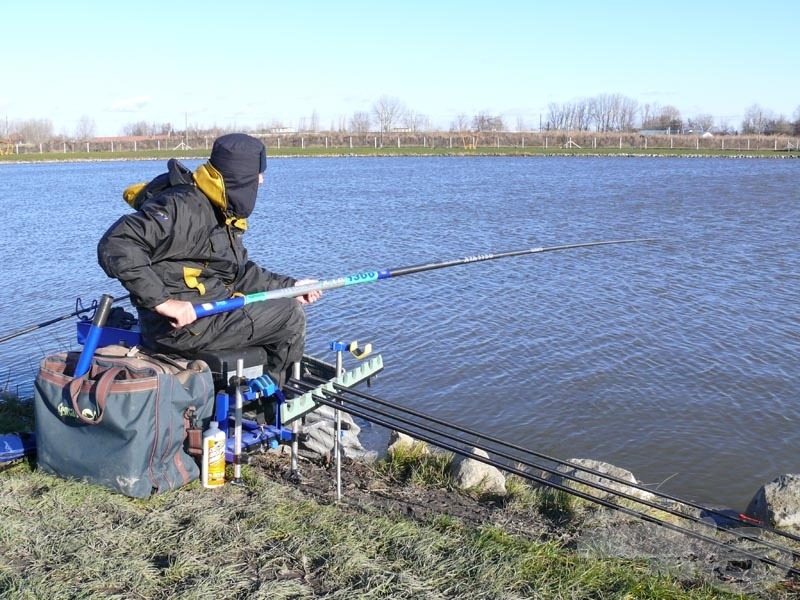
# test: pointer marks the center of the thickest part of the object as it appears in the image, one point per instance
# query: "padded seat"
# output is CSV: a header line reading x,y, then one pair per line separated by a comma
x,y
223,363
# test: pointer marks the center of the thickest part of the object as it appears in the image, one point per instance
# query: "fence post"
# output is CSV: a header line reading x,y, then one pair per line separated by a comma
x,y
620,142
87,147
112,146
351,142
398,141
303,143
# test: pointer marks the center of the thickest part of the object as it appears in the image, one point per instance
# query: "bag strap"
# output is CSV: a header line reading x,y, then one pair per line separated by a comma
x,y
102,389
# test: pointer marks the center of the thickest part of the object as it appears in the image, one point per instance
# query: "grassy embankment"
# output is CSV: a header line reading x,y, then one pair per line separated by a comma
x,y
63,539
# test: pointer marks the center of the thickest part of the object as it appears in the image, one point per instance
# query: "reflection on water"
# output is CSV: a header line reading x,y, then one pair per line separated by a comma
x,y
675,359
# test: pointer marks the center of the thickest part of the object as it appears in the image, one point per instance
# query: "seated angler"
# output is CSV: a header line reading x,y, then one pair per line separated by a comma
x,y
183,246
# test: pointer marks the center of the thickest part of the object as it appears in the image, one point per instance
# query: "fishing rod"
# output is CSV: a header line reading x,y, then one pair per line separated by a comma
x,y
75,313
434,436
229,304
420,418
653,499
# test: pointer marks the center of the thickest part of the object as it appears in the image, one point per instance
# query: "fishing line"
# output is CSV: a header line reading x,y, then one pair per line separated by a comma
x,y
75,313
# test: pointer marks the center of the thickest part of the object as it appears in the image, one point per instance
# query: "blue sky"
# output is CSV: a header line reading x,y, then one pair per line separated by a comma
x,y
250,62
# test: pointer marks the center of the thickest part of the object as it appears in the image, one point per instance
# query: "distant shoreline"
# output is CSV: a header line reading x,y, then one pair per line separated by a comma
x,y
404,152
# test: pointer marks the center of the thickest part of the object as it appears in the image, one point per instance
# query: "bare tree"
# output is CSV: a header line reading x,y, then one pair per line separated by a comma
x,y
557,116
613,112
756,119
485,122
360,122
145,129
701,123
35,131
628,107
415,121
314,121
388,111
84,129
460,124
655,116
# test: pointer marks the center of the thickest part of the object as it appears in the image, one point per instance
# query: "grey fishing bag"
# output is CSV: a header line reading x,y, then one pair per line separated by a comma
x,y
125,424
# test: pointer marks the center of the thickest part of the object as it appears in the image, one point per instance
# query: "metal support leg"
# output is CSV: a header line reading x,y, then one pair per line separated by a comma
x,y
337,434
237,425
294,474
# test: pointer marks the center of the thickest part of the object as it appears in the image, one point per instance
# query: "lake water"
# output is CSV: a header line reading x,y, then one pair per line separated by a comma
x,y
677,360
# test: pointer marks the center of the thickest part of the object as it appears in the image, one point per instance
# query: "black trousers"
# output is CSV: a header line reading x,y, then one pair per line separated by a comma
x,y
279,326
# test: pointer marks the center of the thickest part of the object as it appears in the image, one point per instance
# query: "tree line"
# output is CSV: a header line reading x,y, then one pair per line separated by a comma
x,y
604,113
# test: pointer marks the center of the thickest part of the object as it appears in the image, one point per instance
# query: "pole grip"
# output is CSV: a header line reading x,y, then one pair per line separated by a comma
x,y
213,308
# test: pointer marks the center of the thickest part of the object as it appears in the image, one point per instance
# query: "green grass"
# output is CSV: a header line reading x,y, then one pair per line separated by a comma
x,y
63,539
15,414
66,539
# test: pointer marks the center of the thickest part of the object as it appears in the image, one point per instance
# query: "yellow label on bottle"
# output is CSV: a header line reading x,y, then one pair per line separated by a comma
x,y
215,450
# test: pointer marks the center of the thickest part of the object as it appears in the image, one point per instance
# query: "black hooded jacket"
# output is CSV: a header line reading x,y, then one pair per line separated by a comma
x,y
179,245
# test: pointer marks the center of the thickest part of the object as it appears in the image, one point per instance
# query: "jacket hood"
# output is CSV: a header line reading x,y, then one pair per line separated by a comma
x,y
239,159
177,174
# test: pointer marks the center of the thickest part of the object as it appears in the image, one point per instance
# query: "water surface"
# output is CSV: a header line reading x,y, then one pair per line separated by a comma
x,y
677,360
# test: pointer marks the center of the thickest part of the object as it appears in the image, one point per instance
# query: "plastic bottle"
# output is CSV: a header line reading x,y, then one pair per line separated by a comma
x,y
213,468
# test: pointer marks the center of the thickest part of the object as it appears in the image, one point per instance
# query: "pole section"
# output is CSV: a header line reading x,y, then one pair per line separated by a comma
x,y
212,308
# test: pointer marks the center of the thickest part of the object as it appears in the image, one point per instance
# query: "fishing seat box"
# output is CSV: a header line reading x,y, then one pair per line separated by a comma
x,y
223,363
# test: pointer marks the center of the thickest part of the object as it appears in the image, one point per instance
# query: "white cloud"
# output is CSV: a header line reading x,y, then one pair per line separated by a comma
x,y
131,104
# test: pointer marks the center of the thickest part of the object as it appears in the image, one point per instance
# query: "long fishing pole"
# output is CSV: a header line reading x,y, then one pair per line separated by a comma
x,y
75,313
229,304
431,435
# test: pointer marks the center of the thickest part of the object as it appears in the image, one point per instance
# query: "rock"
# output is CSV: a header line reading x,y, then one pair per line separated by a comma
x,y
592,479
778,503
470,473
399,440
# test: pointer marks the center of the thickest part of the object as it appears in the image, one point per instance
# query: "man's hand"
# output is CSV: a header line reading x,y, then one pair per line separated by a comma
x,y
310,296
179,312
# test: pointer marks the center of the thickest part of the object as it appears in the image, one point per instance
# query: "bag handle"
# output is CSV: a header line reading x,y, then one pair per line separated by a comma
x,y
102,389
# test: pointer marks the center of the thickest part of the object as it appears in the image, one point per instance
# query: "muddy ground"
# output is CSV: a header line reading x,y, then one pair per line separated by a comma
x,y
364,488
